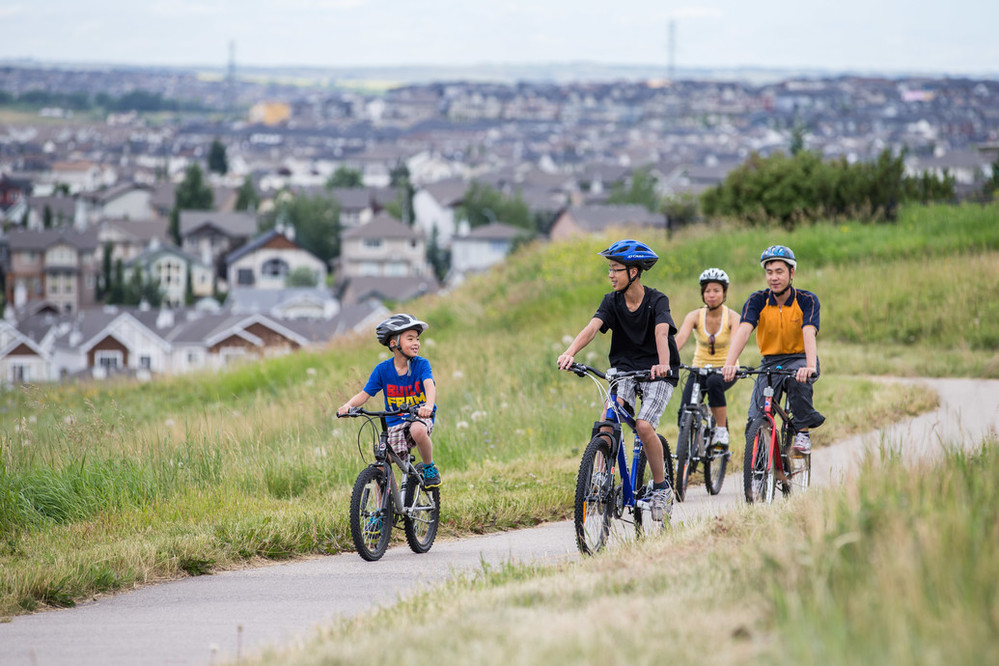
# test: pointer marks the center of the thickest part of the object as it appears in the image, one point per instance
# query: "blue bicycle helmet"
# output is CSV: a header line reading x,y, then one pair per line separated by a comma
x,y
778,252
631,253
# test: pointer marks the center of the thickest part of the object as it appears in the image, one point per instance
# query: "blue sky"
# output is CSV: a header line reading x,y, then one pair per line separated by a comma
x,y
876,36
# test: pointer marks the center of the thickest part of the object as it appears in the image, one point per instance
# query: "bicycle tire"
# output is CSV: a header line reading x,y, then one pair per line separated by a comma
x,y
421,528
370,523
758,479
640,519
595,496
713,479
686,445
640,468
799,466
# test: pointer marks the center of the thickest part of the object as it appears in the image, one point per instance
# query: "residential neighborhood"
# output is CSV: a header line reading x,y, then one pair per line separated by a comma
x,y
104,273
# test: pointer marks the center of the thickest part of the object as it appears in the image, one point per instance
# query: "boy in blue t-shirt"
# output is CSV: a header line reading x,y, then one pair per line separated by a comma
x,y
405,380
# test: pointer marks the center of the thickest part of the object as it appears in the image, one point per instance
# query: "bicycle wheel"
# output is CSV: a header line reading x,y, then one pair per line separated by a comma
x,y
424,511
758,477
714,470
370,524
594,505
640,491
686,450
799,465
641,520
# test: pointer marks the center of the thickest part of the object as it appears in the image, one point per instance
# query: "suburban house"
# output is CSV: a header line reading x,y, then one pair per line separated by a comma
x,y
22,360
59,266
268,260
357,205
314,303
130,238
171,268
384,259
212,235
476,250
59,210
130,201
434,208
587,219
14,193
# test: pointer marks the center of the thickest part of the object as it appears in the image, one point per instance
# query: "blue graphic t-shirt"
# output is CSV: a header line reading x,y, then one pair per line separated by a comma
x,y
400,390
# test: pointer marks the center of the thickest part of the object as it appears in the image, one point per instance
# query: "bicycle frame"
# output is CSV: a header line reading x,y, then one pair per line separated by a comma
x,y
385,456
614,415
778,461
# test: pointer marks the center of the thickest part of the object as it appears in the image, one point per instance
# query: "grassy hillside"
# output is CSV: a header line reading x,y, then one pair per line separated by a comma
x,y
106,486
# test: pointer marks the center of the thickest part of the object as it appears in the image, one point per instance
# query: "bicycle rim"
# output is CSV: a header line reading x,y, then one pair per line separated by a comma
x,y
424,506
594,496
755,473
370,523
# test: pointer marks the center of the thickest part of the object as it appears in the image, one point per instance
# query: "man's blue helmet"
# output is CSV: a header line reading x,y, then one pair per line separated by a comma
x,y
631,253
778,252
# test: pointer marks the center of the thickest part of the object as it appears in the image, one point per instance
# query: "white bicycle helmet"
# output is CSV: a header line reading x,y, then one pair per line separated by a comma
x,y
714,275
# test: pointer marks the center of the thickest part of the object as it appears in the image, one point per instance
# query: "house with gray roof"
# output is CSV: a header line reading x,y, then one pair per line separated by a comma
x,y
314,303
588,219
476,250
268,260
55,265
212,235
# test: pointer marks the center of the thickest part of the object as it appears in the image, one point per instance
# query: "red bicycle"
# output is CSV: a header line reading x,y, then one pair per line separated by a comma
x,y
771,460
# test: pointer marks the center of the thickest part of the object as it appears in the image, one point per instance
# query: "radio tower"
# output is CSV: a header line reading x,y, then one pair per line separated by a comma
x,y
671,48
230,80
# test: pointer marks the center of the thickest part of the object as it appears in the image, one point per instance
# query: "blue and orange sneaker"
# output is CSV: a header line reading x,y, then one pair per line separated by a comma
x,y
431,477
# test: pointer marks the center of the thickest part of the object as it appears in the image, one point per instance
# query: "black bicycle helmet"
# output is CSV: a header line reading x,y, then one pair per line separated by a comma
x,y
631,253
778,253
396,324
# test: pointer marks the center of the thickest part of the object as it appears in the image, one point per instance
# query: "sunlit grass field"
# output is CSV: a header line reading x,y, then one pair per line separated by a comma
x,y
106,486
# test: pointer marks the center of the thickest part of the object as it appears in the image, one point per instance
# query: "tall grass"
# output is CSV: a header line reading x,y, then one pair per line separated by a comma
x,y
154,473
897,568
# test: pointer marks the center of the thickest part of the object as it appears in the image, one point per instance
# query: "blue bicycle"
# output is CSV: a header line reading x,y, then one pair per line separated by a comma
x,y
599,498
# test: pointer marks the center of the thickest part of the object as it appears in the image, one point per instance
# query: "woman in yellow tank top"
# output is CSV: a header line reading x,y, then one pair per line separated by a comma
x,y
712,327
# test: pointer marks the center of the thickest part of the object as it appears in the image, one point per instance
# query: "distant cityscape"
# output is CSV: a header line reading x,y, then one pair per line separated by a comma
x,y
91,159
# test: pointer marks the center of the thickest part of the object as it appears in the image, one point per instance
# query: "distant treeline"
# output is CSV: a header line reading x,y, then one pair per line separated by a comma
x,y
137,100
803,187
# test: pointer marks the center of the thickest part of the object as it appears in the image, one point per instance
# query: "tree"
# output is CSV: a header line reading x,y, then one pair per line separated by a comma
x,y
104,282
641,190
344,177
217,161
247,197
303,276
482,205
47,217
192,194
438,258
316,221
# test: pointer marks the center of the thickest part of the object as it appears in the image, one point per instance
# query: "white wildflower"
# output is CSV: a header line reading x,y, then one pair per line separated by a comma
x,y
478,415
310,371
457,374
461,425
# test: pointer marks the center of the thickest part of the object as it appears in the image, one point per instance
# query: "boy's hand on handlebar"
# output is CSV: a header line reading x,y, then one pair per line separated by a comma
x,y
425,411
658,370
565,361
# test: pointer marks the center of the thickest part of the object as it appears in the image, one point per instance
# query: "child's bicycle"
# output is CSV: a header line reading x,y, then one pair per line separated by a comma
x,y
770,457
377,504
598,497
697,428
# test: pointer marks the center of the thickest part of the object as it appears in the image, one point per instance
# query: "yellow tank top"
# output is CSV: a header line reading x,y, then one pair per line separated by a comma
x,y
702,353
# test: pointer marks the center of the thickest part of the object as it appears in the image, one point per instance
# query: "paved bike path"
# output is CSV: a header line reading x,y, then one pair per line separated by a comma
x,y
211,619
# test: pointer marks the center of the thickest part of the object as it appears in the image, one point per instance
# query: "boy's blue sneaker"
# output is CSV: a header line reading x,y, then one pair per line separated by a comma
x,y
431,477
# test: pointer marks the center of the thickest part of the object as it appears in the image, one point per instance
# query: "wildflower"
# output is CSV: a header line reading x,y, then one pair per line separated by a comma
x,y
457,374
461,425
478,415
310,371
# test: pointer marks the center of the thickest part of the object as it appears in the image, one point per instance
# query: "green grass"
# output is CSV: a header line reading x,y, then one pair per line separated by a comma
x,y
895,568
147,478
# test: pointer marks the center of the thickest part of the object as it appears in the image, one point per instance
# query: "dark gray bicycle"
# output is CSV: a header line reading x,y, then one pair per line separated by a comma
x,y
377,503
697,429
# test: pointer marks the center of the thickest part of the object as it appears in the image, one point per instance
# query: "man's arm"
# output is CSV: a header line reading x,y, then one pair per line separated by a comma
x,y
735,347
811,354
662,347
582,339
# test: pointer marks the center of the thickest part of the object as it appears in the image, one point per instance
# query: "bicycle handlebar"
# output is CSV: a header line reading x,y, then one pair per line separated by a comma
x,y
360,411
581,369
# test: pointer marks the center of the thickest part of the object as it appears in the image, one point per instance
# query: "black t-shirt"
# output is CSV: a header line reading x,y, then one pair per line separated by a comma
x,y
633,343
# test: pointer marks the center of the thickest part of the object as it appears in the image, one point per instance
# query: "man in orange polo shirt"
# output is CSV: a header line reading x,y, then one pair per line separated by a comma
x,y
786,322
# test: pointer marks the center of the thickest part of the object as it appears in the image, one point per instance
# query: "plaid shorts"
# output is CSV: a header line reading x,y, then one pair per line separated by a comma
x,y
655,396
399,438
